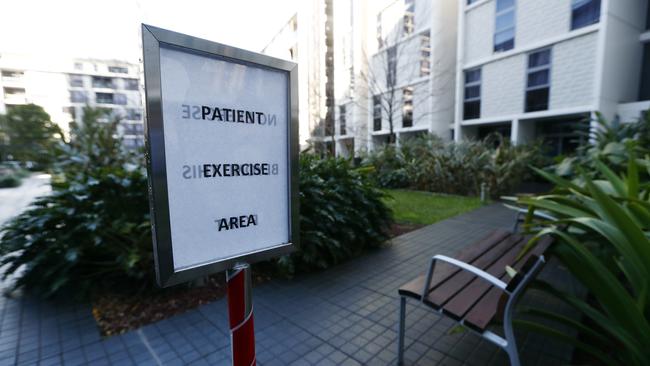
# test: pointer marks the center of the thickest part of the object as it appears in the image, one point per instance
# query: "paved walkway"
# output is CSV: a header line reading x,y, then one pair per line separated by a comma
x,y
343,316
13,201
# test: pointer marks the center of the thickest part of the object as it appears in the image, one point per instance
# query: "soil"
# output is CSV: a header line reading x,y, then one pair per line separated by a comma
x,y
398,229
116,313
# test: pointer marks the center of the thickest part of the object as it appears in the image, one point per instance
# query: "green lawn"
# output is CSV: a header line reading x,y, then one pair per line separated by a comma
x,y
426,208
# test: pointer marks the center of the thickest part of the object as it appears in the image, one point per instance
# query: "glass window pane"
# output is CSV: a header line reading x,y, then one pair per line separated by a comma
x,y
539,58
584,13
472,92
472,109
504,40
505,20
537,100
504,4
538,78
472,76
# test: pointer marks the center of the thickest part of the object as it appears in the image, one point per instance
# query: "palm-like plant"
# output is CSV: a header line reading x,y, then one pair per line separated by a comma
x,y
603,231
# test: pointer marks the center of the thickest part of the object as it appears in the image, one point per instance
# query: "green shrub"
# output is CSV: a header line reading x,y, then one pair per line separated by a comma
x,y
93,231
603,232
341,215
9,181
430,164
608,142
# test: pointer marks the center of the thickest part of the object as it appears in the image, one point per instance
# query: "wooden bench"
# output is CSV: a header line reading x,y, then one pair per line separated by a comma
x,y
474,289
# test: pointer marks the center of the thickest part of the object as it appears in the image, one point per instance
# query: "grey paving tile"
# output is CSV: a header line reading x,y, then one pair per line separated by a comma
x,y
346,315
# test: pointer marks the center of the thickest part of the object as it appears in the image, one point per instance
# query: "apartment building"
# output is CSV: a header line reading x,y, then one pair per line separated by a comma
x,y
411,81
64,86
325,38
532,69
344,49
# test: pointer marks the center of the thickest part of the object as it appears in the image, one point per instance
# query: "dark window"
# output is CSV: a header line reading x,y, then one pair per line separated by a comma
x,y
342,120
12,74
133,114
407,107
76,80
78,96
376,113
131,84
472,98
104,98
391,77
644,85
504,29
409,16
425,54
102,82
470,2
538,81
584,13
118,69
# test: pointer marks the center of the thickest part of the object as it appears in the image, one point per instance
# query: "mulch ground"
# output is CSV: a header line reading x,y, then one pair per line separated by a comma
x,y
117,313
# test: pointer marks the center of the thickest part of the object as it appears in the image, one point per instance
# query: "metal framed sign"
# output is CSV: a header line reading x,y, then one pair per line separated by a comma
x,y
222,150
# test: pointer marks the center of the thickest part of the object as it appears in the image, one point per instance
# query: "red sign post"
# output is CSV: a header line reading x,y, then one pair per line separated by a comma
x,y
240,313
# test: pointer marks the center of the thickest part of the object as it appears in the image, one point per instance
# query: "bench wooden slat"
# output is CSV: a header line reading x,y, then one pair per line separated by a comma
x,y
459,305
483,311
447,290
441,273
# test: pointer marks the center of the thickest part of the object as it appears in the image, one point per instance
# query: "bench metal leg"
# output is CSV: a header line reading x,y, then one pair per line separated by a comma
x,y
400,330
511,347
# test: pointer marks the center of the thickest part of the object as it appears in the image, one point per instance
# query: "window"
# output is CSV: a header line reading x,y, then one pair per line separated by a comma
x,y
470,2
133,114
538,80
342,121
102,82
504,27
12,74
391,54
78,96
407,107
584,13
131,84
409,16
376,113
425,54
104,98
14,92
118,69
76,80
472,101
119,99
133,128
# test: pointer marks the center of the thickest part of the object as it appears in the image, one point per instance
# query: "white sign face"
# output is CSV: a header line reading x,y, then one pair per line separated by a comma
x,y
226,157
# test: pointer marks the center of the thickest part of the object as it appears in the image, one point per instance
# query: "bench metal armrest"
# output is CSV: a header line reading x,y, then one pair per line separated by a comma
x,y
464,266
521,212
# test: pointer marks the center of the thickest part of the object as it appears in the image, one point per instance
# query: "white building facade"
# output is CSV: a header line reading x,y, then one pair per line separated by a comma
x,y
532,69
63,87
411,70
